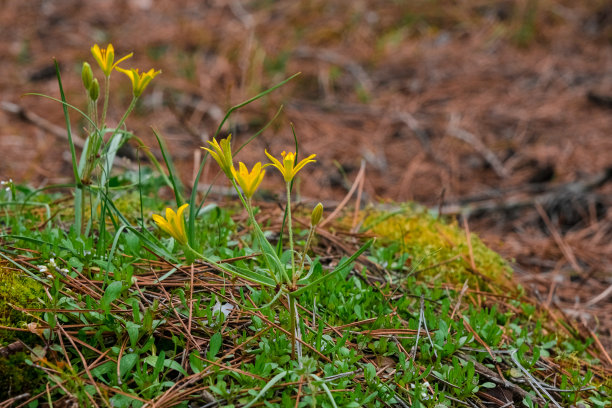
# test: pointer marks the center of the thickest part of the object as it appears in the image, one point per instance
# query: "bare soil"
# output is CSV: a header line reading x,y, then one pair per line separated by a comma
x,y
500,111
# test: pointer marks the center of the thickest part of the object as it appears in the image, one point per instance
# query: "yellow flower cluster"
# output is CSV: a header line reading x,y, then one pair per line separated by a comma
x,y
250,181
105,57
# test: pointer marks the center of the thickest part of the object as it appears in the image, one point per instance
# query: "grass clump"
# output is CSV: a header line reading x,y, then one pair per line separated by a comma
x,y
203,305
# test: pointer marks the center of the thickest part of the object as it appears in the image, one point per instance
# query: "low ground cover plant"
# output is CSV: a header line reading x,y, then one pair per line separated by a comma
x,y
111,296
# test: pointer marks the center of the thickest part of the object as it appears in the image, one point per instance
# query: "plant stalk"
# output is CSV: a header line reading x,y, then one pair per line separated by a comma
x,y
293,324
290,228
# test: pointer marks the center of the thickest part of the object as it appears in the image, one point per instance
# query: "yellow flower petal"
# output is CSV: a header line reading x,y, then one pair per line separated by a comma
x,y
249,181
288,168
105,57
139,81
222,153
173,224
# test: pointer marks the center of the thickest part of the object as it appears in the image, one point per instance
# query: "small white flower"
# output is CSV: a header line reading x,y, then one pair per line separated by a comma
x,y
218,308
42,268
52,262
64,271
226,308
49,276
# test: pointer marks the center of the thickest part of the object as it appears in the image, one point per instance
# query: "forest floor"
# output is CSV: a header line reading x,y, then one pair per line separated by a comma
x,y
497,111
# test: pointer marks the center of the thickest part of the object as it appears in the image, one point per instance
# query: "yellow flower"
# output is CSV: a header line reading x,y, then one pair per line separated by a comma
x,y
106,58
222,153
248,181
288,168
173,224
139,81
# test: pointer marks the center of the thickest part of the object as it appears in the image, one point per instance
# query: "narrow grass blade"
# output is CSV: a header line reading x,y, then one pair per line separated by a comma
x,y
346,264
158,249
111,254
67,120
37,241
22,204
244,273
30,274
326,389
253,99
265,389
192,203
176,182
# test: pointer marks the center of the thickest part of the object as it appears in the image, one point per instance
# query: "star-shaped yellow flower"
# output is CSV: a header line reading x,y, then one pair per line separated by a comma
x,y
105,57
249,181
222,153
173,224
139,81
288,168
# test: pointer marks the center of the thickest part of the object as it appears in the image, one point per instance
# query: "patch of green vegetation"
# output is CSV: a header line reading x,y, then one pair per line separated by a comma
x,y
416,242
243,307
16,292
395,332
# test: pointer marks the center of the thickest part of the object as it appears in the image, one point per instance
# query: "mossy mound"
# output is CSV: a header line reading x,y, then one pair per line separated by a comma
x,y
17,292
438,250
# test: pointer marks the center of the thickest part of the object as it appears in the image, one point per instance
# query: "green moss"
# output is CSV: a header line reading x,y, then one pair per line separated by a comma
x,y
438,250
16,291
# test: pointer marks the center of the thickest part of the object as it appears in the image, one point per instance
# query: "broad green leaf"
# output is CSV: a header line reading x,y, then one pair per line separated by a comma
x,y
133,330
128,361
215,345
112,293
168,363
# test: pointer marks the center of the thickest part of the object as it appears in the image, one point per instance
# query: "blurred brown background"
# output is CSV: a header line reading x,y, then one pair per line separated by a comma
x,y
501,110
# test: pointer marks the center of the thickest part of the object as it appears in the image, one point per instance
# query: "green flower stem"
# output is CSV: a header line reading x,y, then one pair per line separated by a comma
x,y
306,247
293,323
125,115
290,228
246,202
121,122
106,95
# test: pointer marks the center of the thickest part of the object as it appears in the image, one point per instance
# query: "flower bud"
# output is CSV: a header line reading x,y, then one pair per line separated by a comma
x,y
94,90
317,214
86,75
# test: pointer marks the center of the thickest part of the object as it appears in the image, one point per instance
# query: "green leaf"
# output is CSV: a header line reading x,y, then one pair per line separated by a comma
x,y
112,293
168,363
102,369
216,341
133,330
195,362
128,361
121,401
